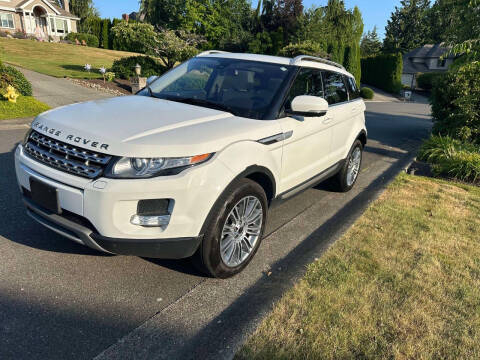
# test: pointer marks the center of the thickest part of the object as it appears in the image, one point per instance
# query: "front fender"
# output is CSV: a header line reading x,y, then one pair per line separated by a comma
x,y
250,156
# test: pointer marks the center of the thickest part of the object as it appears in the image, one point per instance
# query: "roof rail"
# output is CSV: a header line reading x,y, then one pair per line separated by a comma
x,y
209,52
299,58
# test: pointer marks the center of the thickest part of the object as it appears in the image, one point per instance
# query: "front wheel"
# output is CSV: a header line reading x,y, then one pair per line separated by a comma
x,y
234,230
348,174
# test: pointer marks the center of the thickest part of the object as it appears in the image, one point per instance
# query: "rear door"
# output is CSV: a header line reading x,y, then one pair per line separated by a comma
x,y
340,112
306,150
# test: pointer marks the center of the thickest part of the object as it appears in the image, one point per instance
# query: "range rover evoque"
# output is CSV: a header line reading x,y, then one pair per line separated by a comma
x,y
189,166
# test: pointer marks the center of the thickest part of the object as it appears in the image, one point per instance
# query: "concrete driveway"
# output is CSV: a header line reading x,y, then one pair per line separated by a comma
x,y
59,300
57,91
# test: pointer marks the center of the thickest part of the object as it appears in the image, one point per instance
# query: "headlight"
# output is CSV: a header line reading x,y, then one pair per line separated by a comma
x,y
127,167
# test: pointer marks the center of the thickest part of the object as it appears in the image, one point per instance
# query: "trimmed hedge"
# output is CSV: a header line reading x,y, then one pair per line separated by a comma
x,y
367,93
91,40
125,67
11,76
383,71
425,81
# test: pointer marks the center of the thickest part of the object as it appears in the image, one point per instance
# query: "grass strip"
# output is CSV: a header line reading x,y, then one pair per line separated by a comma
x,y
402,283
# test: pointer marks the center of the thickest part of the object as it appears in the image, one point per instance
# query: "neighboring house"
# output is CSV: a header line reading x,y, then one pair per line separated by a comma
x,y
40,18
426,59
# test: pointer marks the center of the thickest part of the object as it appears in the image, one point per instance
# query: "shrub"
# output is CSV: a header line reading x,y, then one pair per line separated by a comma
x,y
90,40
20,35
11,76
425,81
125,67
456,103
367,93
452,157
383,71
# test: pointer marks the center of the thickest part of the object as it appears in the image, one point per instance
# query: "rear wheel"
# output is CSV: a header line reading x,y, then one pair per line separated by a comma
x,y
234,230
348,174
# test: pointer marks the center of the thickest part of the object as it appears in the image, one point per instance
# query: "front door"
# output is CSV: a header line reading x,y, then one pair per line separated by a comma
x,y
306,149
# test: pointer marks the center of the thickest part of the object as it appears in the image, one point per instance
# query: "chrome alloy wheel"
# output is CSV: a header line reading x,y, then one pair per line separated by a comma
x,y
241,231
354,166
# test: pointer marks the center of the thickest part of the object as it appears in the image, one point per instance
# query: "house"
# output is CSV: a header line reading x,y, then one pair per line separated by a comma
x,y
39,18
427,58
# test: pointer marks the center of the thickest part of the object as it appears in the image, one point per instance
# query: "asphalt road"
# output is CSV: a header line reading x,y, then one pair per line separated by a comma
x,y
59,300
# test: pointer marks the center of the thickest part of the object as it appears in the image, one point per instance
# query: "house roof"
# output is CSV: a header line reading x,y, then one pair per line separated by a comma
x,y
53,5
429,51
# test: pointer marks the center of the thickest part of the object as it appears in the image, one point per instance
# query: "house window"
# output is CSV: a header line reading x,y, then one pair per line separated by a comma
x,y
62,26
441,63
6,21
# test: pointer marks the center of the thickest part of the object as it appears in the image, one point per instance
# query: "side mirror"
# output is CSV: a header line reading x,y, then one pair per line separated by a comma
x,y
308,106
151,79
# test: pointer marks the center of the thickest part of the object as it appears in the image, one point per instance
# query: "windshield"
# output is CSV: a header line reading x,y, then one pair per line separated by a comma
x,y
244,88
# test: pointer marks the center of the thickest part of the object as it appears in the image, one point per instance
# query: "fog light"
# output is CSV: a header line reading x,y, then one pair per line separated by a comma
x,y
150,221
153,213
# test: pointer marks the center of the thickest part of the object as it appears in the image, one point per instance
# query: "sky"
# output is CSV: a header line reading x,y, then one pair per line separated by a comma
x,y
374,12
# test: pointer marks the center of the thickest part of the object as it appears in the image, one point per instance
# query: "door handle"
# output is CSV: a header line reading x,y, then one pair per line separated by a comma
x,y
327,120
354,110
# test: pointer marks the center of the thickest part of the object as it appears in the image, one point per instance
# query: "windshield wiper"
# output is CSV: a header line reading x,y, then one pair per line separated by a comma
x,y
201,102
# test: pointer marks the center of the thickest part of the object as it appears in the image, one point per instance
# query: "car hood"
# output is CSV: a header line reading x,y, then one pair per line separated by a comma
x,y
140,126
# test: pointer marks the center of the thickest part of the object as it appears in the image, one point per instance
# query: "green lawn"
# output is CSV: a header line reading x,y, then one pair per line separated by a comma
x,y
25,106
55,59
402,283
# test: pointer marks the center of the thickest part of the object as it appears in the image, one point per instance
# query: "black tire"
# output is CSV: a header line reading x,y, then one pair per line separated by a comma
x,y
208,258
340,180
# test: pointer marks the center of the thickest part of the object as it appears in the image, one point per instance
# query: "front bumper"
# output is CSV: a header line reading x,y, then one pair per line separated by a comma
x,y
155,248
103,207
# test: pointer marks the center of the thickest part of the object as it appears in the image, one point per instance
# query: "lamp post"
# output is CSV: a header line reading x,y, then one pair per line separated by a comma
x,y
138,69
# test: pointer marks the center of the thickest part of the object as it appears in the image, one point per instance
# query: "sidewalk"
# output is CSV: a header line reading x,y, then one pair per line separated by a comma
x,y
57,91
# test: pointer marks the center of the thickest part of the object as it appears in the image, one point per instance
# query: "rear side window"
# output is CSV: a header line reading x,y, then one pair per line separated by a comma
x,y
307,82
335,89
352,88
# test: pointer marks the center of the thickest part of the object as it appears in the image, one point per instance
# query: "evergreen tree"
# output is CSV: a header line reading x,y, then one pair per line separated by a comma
x,y
105,33
407,28
371,44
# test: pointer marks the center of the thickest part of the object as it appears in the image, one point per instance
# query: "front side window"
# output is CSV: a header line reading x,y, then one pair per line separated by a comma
x,y
6,21
353,91
244,88
307,82
335,89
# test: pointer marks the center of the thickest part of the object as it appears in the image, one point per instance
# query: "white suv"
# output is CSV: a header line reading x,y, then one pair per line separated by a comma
x,y
190,165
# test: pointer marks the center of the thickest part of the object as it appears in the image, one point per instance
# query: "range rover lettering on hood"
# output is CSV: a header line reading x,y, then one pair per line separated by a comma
x,y
37,125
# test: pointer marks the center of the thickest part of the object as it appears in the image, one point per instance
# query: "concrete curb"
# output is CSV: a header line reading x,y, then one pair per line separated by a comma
x,y
16,124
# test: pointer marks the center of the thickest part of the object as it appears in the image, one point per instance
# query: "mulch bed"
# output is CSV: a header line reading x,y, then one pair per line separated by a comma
x,y
116,87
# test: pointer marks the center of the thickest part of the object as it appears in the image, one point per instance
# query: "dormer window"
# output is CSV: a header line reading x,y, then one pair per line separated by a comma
x,y
441,62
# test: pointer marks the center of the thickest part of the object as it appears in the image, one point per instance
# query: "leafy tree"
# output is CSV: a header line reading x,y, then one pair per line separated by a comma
x,y
171,47
83,8
371,44
221,22
407,28
136,37
163,13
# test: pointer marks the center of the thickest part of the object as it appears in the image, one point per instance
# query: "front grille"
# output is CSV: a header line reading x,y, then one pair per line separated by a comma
x,y
65,157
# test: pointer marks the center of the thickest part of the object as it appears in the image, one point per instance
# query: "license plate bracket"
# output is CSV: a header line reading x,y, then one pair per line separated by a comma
x,y
45,195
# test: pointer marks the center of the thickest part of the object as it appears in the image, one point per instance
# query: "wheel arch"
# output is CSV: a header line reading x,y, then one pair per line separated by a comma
x,y
362,136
